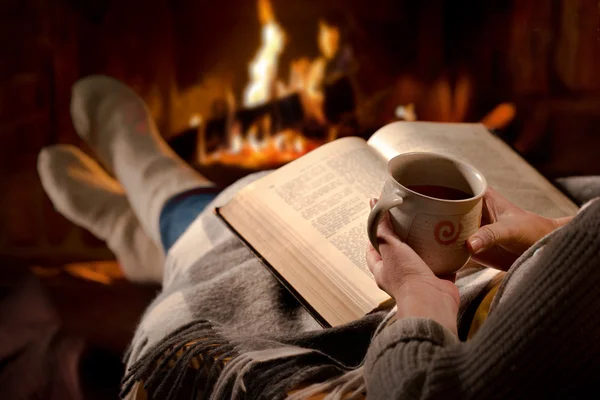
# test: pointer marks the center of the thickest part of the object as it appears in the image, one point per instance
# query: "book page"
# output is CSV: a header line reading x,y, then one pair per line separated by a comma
x,y
315,211
505,170
328,196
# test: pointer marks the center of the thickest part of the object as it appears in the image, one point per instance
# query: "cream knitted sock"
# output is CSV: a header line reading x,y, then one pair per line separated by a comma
x,y
84,193
117,125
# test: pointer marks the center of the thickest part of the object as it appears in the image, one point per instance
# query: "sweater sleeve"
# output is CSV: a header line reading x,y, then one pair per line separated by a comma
x,y
541,342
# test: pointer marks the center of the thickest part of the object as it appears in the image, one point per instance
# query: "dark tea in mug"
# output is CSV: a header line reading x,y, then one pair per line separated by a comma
x,y
440,192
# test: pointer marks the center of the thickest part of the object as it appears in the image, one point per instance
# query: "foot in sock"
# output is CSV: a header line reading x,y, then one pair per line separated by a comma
x,y
117,125
87,196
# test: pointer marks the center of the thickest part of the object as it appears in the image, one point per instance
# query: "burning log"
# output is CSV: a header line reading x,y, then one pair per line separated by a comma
x,y
283,113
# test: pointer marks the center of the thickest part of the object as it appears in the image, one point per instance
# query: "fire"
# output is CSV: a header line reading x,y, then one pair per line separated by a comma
x,y
329,40
262,145
263,69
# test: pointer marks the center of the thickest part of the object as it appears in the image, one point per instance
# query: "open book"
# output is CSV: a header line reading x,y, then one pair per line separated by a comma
x,y
307,220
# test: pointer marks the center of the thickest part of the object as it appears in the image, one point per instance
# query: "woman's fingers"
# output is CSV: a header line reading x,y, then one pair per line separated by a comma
x,y
489,236
386,236
385,231
494,205
396,263
396,253
373,257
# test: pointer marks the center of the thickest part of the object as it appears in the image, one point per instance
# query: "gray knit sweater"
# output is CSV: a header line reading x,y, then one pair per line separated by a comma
x,y
540,340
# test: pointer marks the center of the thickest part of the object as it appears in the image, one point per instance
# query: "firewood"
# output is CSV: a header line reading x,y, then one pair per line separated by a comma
x,y
283,113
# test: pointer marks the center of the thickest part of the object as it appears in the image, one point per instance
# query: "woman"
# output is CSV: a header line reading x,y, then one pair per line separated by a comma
x,y
539,340
224,327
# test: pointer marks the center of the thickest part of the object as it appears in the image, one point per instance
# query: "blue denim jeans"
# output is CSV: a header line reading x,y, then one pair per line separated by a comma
x,y
180,211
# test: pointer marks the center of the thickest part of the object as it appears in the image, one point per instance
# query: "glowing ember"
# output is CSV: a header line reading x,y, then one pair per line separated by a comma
x,y
251,154
259,146
406,112
299,144
236,143
195,121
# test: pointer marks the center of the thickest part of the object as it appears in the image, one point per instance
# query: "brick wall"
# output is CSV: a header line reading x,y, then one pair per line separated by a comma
x,y
33,41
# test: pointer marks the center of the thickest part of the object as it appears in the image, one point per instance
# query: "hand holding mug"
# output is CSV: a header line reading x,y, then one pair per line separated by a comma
x,y
435,205
400,272
507,231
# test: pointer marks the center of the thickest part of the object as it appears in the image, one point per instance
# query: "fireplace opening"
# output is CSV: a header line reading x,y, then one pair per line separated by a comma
x,y
276,120
287,107
309,73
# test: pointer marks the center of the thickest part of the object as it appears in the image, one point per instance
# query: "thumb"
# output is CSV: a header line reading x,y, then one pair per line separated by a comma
x,y
489,236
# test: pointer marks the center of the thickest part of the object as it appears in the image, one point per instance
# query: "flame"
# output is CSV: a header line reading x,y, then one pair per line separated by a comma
x,y
263,68
406,112
329,40
265,12
236,141
195,120
299,144
261,147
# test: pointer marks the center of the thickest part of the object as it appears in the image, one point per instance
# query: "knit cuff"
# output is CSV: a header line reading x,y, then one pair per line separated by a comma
x,y
413,329
588,203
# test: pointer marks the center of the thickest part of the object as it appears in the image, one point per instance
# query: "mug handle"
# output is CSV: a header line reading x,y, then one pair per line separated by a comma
x,y
384,204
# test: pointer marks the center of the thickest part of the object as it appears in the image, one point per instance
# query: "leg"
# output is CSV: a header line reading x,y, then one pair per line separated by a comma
x,y
81,191
179,213
117,125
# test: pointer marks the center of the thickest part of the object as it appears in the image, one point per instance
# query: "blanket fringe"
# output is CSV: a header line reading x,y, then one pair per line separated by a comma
x,y
204,357
350,385
164,366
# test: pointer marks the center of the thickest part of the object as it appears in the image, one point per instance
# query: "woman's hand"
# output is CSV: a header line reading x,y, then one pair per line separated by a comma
x,y
404,275
507,231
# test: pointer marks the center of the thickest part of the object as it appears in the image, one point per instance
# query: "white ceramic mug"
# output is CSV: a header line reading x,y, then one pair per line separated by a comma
x,y
435,228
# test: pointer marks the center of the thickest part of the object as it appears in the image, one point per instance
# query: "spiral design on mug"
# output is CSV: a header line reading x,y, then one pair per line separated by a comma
x,y
446,233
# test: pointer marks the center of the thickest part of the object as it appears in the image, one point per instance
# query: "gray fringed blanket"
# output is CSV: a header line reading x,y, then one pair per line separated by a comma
x,y
224,327
223,312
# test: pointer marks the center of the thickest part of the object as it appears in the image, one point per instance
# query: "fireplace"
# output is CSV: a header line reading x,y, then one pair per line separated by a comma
x,y
323,70
331,69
